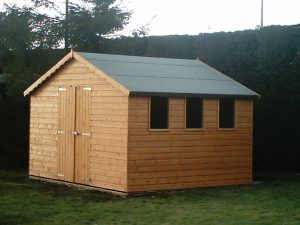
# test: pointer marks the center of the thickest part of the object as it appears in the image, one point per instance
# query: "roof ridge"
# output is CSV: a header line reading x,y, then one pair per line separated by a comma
x,y
137,56
146,63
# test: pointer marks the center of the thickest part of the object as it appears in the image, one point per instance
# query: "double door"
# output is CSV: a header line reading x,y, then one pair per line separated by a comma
x,y
74,134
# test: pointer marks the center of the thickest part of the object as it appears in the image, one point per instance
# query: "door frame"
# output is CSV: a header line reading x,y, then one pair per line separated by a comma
x,y
73,142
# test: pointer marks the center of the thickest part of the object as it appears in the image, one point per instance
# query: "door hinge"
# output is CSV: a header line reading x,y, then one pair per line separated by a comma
x,y
60,132
60,175
87,88
62,89
86,134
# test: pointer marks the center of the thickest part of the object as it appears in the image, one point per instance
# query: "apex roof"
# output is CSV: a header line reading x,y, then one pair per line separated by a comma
x,y
148,76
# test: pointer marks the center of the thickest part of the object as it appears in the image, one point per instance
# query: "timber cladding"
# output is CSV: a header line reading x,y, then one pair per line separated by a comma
x,y
90,124
178,158
102,156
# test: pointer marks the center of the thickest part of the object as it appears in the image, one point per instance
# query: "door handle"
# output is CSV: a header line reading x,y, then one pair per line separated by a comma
x,y
75,133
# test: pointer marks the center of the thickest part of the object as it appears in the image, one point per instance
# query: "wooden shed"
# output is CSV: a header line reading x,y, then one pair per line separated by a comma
x,y
133,124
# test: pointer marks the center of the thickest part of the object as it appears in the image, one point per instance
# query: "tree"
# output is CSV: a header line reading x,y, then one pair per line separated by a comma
x,y
87,27
22,31
24,28
86,24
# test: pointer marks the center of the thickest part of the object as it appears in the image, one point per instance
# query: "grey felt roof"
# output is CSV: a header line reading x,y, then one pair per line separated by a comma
x,y
166,76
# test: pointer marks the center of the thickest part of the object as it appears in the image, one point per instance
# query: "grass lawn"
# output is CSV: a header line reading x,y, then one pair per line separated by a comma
x,y
31,202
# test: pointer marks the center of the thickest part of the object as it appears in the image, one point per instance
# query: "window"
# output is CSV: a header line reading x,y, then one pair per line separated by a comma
x,y
226,113
159,113
194,113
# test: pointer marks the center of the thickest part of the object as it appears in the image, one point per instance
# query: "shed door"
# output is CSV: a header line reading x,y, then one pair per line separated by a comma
x,y
82,140
66,126
74,134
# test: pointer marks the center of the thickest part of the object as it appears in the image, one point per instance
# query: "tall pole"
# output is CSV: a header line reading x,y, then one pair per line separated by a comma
x,y
262,14
67,27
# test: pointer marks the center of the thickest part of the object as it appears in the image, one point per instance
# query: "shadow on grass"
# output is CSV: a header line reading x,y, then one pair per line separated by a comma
x,y
21,179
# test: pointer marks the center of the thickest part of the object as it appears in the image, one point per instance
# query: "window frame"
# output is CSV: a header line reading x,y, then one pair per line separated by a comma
x,y
234,116
203,116
149,116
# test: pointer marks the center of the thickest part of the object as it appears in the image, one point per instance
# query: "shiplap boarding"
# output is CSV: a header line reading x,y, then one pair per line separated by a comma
x,y
98,156
181,158
87,129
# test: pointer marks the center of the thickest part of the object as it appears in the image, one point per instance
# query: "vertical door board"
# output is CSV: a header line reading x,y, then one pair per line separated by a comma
x,y
82,141
66,119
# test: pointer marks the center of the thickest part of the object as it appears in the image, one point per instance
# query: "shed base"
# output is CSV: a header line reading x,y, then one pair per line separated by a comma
x,y
126,194
78,186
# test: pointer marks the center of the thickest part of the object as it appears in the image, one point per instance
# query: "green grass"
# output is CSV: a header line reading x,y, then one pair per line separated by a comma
x,y
31,202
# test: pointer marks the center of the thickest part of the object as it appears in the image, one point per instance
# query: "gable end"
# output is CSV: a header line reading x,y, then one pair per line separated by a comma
x,y
62,62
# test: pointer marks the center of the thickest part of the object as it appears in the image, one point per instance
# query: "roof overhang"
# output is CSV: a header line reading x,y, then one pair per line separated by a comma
x,y
49,73
202,95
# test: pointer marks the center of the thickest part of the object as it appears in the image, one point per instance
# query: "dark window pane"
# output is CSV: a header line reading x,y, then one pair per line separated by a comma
x,y
226,113
194,112
159,113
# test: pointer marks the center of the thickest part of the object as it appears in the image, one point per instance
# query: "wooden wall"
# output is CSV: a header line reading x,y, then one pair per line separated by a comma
x,y
109,127
178,158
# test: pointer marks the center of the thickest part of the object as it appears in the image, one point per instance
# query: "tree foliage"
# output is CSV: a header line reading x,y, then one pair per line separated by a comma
x,y
24,29
86,25
87,28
